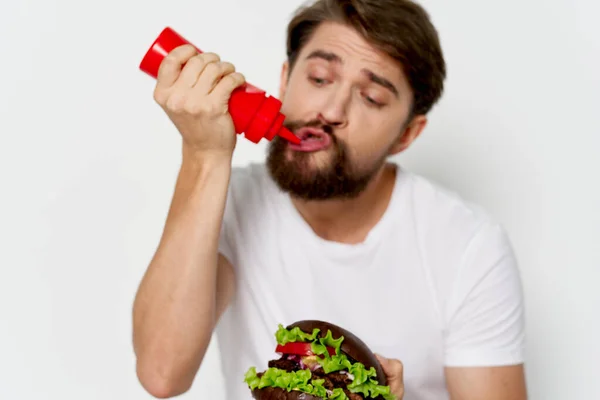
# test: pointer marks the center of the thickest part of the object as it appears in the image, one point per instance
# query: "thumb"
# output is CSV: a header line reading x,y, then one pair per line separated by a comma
x,y
394,372
382,360
392,368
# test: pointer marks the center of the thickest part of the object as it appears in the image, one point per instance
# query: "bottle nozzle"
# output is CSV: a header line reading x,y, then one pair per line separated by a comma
x,y
288,135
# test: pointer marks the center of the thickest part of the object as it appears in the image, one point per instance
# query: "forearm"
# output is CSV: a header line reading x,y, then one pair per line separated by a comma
x,y
487,383
174,310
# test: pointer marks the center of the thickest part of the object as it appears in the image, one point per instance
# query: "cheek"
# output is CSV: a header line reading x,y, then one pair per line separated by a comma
x,y
370,135
301,99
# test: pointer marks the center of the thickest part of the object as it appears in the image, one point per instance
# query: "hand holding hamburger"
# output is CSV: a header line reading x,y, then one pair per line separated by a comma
x,y
322,361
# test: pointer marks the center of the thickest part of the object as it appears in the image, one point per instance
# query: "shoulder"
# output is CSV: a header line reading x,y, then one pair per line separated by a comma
x,y
246,177
473,267
251,192
245,204
443,215
248,182
459,241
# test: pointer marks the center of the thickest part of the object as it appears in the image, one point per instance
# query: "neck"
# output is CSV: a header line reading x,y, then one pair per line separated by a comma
x,y
350,220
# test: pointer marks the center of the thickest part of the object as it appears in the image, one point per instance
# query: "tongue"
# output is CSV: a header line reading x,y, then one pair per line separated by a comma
x,y
312,143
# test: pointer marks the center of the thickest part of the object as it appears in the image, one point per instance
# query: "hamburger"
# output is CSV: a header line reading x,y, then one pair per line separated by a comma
x,y
319,361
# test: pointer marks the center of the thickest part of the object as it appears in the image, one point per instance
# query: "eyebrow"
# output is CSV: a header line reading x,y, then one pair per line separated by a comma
x,y
373,77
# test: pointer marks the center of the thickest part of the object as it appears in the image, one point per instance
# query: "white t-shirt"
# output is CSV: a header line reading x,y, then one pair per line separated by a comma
x,y
434,284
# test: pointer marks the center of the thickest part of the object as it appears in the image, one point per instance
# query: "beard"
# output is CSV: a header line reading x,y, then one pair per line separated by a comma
x,y
339,178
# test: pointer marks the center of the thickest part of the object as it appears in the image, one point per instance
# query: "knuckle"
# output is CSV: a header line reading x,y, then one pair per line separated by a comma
x,y
170,59
211,68
185,50
210,56
196,61
232,79
210,109
160,96
192,107
180,54
175,104
237,78
227,66
397,365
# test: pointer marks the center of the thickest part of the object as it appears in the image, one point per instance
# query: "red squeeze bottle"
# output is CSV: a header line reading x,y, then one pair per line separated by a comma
x,y
252,111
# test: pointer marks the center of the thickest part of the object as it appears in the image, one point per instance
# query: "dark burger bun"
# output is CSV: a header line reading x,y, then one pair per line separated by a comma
x,y
271,393
351,345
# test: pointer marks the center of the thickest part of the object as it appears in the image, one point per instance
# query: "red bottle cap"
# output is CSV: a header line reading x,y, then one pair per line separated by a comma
x,y
166,41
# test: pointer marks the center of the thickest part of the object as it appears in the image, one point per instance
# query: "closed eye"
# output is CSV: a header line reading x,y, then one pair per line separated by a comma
x,y
373,102
318,81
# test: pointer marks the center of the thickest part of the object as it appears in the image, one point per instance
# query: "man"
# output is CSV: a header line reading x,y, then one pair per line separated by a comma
x,y
328,229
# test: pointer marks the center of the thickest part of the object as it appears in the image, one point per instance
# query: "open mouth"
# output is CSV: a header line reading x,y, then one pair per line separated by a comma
x,y
313,136
311,140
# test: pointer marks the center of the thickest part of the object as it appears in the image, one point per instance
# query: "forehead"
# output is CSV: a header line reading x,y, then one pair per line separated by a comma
x,y
353,50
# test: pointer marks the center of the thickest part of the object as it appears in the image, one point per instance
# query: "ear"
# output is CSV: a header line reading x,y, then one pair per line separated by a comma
x,y
410,133
283,79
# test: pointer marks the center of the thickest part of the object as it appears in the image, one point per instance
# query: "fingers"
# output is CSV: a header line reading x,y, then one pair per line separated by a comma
x,y
228,84
394,371
170,67
391,367
211,76
195,68
185,76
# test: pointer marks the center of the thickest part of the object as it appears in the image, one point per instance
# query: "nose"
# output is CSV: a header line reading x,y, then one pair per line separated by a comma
x,y
334,110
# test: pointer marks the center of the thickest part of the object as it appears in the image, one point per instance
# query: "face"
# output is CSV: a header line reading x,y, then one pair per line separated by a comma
x,y
350,103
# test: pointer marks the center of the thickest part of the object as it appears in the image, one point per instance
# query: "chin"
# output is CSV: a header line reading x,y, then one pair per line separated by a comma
x,y
314,160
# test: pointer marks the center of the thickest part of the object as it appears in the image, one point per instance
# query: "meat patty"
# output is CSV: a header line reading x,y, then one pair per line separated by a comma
x,y
284,364
340,380
353,396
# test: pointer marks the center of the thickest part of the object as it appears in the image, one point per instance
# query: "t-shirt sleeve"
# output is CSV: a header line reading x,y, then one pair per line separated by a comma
x,y
485,321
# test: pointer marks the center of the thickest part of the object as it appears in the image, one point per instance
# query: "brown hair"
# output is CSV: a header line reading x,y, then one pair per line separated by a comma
x,y
400,28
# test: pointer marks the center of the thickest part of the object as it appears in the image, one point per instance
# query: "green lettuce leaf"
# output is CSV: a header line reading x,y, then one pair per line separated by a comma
x,y
371,388
338,394
284,336
297,380
329,341
361,374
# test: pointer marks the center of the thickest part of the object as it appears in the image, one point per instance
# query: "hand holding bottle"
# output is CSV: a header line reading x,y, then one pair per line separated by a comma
x,y
194,90
252,111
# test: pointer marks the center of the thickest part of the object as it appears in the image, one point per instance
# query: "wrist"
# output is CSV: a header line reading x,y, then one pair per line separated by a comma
x,y
201,173
205,160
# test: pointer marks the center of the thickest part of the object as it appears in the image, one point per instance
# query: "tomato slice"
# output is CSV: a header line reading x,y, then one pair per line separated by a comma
x,y
299,348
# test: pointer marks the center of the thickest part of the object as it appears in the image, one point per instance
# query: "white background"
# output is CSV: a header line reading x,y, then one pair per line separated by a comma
x,y
88,163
